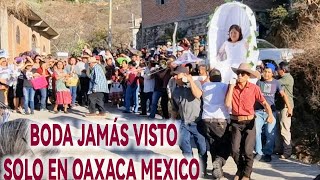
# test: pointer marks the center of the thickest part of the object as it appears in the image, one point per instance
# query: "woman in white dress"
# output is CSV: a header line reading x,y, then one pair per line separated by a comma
x,y
232,53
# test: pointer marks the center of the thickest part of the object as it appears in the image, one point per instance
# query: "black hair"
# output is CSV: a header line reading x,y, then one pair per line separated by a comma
x,y
132,63
237,28
284,66
35,57
215,75
189,65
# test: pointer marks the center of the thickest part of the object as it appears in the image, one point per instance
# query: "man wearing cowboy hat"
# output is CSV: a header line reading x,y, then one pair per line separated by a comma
x,y
97,88
241,97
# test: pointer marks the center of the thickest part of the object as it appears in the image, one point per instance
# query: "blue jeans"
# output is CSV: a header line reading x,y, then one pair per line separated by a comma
x,y
28,94
43,102
270,132
186,132
73,92
131,92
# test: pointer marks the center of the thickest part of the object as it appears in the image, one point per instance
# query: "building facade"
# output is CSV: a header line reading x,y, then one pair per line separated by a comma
x,y
17,36
192,15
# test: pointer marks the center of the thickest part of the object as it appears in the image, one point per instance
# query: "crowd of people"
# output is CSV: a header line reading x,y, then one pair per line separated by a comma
x,y
237,118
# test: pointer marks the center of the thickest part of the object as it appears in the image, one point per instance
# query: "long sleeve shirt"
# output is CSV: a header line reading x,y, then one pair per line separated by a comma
x,y
98,81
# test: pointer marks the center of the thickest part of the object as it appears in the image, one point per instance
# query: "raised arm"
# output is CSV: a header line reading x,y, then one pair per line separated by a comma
x,y
195,89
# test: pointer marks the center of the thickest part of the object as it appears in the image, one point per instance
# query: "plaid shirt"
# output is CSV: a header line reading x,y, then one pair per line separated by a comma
x,y
98,81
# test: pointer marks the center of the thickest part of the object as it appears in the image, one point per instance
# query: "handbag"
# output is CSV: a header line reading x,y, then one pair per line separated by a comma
x,y
39,82
72,81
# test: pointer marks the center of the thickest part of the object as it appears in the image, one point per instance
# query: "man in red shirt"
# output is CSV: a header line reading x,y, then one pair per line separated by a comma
x,y
242,96
132,85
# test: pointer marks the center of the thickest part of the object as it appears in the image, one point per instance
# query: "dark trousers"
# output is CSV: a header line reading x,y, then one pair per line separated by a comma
x,y
84,88
218,135
243,140
144,98
96,100
164,104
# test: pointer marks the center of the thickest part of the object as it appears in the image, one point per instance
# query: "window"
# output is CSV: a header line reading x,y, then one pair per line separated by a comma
x,y
161,2
18,35
34,42
44,49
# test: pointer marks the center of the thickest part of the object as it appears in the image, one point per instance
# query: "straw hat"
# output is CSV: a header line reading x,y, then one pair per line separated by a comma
x,y
92,60
85,56
246,68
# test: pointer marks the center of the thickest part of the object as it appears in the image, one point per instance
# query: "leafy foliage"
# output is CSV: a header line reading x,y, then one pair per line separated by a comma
x,y
299,29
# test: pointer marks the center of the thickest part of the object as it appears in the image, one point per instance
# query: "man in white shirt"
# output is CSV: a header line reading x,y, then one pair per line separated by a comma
x,y
215,117
148,88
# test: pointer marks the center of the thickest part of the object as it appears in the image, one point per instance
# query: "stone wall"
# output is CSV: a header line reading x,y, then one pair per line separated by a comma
x,y
155,13
158,19
152,36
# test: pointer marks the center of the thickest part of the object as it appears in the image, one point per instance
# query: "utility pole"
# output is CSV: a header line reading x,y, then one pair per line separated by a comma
x,y
110,25
134,39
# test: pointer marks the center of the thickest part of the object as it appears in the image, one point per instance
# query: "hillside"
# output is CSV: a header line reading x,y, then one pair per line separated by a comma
x,y
78,23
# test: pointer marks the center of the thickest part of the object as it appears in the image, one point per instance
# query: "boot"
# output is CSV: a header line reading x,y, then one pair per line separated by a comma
x,y
217,171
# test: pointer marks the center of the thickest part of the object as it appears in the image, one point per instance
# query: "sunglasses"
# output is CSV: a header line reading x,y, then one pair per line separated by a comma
x,y
243,73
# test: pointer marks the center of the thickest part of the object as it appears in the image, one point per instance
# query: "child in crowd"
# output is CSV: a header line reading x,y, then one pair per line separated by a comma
x,y
116,89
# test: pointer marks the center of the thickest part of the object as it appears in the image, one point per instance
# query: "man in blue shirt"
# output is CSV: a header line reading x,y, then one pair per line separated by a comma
x,y
97,87
269,87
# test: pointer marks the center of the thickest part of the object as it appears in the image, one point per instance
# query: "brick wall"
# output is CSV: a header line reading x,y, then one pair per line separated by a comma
x,y
154,13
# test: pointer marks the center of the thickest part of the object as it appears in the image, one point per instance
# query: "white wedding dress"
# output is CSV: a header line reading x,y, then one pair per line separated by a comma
x,y
231,55
243,51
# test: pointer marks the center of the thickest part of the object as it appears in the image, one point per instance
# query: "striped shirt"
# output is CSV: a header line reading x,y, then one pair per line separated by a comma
x,y
98,81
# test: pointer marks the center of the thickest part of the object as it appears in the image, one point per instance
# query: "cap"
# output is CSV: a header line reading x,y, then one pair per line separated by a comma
x,y
181,69
271,66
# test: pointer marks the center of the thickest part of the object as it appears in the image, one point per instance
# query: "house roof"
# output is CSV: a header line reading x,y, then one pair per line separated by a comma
x,y
39,25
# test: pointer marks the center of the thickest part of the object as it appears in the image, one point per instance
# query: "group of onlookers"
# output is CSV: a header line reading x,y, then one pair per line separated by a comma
x,y
236,117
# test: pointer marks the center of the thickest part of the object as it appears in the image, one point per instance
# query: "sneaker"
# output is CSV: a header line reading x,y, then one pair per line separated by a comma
x,y
122,108
284,156
267,158
26,113
43,110
32,112
257,157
